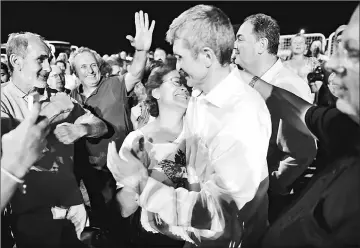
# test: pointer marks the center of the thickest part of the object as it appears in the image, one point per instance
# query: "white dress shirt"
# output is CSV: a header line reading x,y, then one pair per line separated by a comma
x,y
227,138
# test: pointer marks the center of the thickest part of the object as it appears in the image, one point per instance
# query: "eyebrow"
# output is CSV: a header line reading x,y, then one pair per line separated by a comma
x,y
43,57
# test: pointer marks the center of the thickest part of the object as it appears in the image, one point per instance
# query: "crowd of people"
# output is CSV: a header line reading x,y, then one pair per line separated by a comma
x,y
204,147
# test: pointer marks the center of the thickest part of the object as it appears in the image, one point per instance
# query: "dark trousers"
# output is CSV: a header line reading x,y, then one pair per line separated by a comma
x,y
39,229
104,211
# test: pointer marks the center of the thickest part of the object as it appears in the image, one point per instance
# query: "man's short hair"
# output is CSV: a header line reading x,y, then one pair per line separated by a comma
x,y
204,26
17,44
97,57
266,27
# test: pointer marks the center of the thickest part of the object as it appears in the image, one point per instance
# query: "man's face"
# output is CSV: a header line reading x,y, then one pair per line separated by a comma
x,y
61,66
56,79
194,69
35,67
4,76
87,69
246,46
160,55
345,63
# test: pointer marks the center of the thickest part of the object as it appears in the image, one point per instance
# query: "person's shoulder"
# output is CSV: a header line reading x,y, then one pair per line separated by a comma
x,y
290,81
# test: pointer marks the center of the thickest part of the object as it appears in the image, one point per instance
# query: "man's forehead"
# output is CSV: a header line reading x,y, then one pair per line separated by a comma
x,y
245,28
85,57
37,45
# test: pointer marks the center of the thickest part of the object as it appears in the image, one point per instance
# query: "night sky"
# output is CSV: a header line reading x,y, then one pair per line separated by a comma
x,y
102,26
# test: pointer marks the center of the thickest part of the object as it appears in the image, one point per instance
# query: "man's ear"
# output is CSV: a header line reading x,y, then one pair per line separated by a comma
x,y
208,56
16,61
263,45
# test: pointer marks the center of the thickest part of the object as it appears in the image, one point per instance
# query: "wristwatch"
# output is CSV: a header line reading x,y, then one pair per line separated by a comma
x,y
253,81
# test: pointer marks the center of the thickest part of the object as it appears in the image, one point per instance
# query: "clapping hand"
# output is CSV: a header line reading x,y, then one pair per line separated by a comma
x,y
24,145
125,167
143,35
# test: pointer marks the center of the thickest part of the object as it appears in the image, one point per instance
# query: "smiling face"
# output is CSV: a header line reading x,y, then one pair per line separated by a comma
x,y
34,68
194,68
246,47
172,93
87,69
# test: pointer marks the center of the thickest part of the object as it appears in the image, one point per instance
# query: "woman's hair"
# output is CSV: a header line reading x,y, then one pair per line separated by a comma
x,y
317,51
154,81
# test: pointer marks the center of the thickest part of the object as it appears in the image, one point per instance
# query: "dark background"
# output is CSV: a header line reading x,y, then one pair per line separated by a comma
x,y
102,26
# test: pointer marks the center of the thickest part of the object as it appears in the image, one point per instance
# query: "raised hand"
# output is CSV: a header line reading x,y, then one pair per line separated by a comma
x,y
143,35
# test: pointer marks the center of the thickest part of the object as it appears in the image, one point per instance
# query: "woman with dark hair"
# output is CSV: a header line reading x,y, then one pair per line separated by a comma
x,y
161,147
316,51
140,115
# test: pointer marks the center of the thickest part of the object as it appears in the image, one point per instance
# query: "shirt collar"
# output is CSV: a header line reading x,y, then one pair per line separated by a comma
x,y
15,90
80,89
219,95
272,72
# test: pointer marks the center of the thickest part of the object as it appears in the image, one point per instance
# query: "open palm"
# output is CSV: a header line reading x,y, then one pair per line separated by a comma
x,y
143,35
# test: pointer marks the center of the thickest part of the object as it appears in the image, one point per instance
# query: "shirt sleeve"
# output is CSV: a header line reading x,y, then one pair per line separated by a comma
x,y
336,132
238,156
119,89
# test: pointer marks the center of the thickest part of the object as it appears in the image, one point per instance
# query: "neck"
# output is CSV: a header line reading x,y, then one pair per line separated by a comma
x,y
87,90
170,119
22,85
263,65
297,56
214,77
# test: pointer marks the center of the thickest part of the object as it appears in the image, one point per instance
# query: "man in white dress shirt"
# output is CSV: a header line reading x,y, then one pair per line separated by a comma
x,y
228,132
290,152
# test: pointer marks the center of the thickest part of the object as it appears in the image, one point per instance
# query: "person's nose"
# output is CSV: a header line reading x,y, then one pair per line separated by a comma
x,y
46,66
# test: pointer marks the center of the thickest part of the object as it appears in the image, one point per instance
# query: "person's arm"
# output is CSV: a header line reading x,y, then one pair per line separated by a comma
x,y
285,104
239,161
136,71
21,148
85,125
127,196
141,43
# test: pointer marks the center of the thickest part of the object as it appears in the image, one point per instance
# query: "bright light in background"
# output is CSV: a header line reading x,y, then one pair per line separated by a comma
x,y
302,31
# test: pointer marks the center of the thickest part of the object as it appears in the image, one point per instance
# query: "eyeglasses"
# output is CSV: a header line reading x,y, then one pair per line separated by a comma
x,y
56,75
175,81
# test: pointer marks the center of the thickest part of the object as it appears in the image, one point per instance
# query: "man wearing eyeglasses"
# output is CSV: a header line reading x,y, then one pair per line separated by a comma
x,y
56,80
